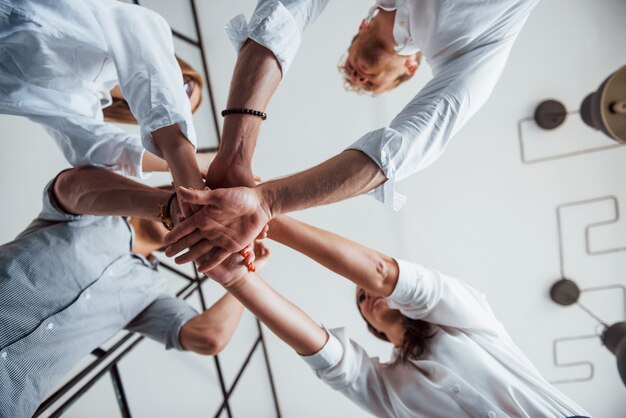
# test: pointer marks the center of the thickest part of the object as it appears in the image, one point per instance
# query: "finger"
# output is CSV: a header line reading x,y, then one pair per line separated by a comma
x,y
195,251
263,233
212,259
185,209
197,197
184,228
185,242
246,250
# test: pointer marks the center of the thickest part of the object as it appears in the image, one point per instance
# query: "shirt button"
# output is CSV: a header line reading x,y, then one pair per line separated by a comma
x,y
3,355
50,325
455,388
87,295
111,272
491,414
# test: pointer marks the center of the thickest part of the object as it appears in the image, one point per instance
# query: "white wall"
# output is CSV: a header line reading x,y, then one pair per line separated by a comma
x,y
478,213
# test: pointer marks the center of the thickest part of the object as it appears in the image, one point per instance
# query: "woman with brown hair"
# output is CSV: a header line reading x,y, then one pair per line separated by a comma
x,y
59,62
451,358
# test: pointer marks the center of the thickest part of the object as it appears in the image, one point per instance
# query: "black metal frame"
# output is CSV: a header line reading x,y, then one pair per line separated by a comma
x,y
590,252
106,361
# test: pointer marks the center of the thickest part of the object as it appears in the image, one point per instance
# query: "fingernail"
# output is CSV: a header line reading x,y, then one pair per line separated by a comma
x,y
246,254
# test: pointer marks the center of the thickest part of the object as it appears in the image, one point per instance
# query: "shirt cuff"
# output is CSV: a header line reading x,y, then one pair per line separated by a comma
x,y
328,356
271,26
383,146
132,164
174,340
404,291
159,117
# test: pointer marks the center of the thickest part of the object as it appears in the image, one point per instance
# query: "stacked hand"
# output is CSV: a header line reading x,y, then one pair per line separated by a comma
x,y
232,269
229,220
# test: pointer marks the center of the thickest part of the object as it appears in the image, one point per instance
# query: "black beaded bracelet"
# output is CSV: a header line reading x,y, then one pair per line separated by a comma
x,y
244,111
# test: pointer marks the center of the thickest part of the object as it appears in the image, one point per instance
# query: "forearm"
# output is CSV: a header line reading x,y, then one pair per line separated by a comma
x,y
365,267
210,332
95,191
256,77
348,174
152,163
180,156
285,319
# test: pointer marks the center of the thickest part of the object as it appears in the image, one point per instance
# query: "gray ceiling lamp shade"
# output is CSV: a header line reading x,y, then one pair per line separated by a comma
x,y
566,292
604,109
614,338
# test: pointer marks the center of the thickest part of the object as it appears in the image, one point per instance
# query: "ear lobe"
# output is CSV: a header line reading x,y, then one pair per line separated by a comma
x,y
412,64
364,24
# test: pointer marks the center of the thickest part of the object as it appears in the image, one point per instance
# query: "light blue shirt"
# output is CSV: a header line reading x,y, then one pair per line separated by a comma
x,y
68,284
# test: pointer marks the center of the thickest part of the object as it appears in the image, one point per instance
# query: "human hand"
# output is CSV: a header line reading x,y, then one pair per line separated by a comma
x,y
232,269
230,219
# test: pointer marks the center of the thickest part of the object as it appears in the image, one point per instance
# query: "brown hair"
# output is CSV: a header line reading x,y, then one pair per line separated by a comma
x,y
416,332
119,111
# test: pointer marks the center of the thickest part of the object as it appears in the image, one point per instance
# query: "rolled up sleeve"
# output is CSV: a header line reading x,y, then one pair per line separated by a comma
x,y
141,46
88,141
426,294
421,132
276,25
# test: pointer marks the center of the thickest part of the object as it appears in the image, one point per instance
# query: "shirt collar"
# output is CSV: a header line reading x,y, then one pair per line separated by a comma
x,y
405,45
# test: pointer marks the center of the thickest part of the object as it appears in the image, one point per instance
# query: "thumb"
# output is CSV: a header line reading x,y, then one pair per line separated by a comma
x,y
198,197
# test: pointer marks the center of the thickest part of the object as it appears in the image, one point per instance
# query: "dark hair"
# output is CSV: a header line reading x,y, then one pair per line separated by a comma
x,y
416,332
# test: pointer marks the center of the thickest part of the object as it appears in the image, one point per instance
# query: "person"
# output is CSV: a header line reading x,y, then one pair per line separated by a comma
x,y
451,356
81,272
59,63
465,43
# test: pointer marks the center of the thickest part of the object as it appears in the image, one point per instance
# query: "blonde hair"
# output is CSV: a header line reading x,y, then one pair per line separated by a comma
x,y
119,111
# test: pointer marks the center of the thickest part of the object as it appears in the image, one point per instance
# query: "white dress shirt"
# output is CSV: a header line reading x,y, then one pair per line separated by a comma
x,y
471,367
465,42
60,59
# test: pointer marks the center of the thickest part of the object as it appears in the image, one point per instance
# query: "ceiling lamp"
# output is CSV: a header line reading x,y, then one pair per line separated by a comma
x,y
566,292
603,110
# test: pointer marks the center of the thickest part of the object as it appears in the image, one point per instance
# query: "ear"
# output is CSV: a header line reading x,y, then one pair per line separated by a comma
x,y
364,25
412,63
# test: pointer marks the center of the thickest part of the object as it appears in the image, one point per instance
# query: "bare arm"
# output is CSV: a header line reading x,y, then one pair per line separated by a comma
x,y
180,156
285,319
365,267
209,332
256,77
152,163
95,191
234,217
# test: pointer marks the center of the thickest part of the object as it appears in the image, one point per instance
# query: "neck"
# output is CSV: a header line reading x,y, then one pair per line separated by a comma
x,y
395,333
382,24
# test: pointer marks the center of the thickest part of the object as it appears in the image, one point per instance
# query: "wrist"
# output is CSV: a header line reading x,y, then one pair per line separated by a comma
x,y
268,200
237,283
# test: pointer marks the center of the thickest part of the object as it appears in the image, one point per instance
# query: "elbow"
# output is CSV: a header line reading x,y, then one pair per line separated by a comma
x,y
211,344
387,273
67,188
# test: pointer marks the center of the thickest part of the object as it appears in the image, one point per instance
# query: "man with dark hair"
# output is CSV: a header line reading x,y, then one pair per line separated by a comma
x,y
84,270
